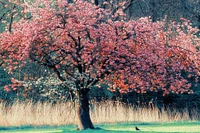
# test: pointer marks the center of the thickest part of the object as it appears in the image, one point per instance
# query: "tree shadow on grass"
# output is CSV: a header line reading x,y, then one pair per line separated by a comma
x,y
95,131
100,130
111,131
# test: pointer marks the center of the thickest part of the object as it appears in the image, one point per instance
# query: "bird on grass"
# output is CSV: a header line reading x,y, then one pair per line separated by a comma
x,y
136,128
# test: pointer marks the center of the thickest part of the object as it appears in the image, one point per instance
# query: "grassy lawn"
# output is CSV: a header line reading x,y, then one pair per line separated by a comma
x,y
177,127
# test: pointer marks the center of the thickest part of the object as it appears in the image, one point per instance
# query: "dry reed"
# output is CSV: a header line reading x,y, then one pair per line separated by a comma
x,y
28,113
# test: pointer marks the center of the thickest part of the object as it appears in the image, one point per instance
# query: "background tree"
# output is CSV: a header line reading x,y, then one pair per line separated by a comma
x,y
10,11
193,8
85,45
158,9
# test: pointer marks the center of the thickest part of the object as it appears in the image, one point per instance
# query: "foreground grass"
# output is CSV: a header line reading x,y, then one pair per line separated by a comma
x,y
28,113
175,127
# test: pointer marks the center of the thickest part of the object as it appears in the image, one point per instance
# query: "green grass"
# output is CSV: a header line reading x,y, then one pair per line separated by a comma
x,y
176,127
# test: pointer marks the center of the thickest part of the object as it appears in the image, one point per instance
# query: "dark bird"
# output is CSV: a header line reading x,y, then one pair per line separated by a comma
x,y
136,128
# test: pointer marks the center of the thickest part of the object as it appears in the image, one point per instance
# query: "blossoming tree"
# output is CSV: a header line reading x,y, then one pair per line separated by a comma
x,y
85,45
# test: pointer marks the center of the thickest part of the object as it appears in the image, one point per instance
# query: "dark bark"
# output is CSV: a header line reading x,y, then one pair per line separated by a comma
x,y
82,110
96,2
154,11
11,19
198,17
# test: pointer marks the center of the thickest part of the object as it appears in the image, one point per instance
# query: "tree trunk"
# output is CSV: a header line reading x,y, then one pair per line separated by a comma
x,y
82,110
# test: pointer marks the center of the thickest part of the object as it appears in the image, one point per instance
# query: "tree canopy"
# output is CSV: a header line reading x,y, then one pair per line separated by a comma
x,y
85,45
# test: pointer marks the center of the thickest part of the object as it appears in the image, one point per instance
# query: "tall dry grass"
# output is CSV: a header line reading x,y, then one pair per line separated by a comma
x,y
28,113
